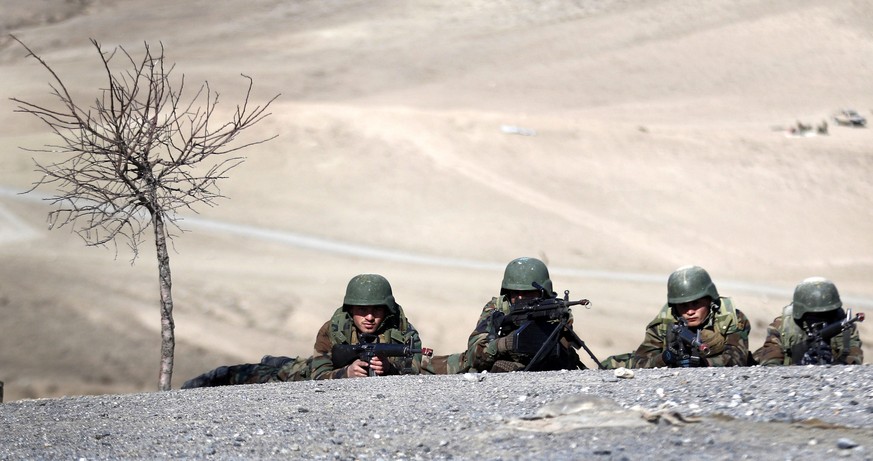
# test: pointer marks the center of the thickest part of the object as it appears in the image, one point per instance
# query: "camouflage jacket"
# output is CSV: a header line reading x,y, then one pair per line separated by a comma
x,y
394,329
784,333
338,330
728,322
482,351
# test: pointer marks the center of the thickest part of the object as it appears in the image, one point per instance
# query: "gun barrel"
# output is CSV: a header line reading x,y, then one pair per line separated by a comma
x,y
829,331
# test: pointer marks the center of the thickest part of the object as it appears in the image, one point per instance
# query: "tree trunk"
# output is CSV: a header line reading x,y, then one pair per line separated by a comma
x,y
168,338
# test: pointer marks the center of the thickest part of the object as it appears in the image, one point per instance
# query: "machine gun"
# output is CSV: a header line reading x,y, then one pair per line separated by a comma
x,y
539,324
369,347
816,347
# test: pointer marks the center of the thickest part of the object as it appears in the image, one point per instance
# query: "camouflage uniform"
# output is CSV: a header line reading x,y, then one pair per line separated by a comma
x,y
784,333
482,345
394,329
725,330
338,330
270,369
364,289
729,323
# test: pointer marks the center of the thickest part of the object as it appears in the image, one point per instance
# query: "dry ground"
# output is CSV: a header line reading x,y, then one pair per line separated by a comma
x,y
657,143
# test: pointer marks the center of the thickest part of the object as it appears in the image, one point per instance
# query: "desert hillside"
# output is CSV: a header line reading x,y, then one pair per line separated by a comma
x,y
432,142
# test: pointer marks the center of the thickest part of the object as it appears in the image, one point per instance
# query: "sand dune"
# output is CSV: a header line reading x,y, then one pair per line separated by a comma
x,y
656,140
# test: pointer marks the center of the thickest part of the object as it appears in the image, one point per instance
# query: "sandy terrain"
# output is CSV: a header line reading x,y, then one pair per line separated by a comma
x,y
657,141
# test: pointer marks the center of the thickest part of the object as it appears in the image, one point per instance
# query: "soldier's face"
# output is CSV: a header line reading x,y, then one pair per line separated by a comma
x,y
694,312
367,318
525,295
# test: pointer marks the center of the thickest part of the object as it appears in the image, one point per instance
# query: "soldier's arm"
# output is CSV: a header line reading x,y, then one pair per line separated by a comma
x,y
481,349
771,352
736,345
321,362
648,355
856,354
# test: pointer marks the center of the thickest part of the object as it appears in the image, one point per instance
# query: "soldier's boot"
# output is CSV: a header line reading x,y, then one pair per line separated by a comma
x,y
505,366
217,377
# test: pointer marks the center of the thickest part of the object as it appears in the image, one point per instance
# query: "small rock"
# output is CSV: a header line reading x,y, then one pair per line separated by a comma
x,y
623,372
846,444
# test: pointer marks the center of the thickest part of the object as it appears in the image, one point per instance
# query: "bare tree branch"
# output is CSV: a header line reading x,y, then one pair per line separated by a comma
x,y
141,153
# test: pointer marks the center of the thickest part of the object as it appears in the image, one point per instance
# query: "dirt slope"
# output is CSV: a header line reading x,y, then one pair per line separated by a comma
x,y
657,140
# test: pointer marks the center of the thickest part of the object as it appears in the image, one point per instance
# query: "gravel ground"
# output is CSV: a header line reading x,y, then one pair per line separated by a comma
x,y
740,413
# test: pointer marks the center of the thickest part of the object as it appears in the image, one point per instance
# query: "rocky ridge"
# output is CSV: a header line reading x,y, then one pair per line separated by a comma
x,y
790,413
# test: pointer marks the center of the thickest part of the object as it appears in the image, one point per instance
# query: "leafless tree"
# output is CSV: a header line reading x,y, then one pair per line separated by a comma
x,y
137,157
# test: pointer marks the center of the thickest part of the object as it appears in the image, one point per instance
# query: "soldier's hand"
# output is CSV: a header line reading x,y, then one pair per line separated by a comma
x,y
357,369
506,343
670,357
378,366
714,340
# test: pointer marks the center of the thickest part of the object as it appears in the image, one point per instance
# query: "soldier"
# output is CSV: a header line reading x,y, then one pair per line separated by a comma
x,y
816,302
369,308
488,349
716,333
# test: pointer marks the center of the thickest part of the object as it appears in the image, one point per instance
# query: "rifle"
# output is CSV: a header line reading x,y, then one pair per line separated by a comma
x,y
539,324
369,347
683,333
815,349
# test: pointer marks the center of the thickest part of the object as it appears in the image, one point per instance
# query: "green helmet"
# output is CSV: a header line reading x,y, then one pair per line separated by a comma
x,y
520,274
689,283
370,290
815,294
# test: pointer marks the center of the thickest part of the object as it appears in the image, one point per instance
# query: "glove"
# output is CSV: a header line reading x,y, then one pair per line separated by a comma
x,y
797,352
506,343
670,357
714,340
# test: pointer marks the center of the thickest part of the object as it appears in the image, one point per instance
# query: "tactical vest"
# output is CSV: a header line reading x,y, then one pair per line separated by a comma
x,y
790,334
720,321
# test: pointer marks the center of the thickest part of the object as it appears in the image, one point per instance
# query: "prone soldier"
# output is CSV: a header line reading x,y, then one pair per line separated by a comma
x,y
696,328
813,329
370,316
526,327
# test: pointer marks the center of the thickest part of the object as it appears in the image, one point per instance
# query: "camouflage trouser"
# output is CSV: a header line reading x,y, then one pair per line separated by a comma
x,y
445,364
619,361
270,369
